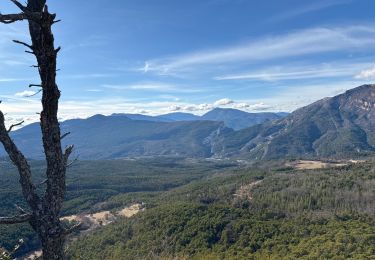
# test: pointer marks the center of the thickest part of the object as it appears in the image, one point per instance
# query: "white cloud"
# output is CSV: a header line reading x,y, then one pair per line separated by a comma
x,y
298,43
241,105
14,79
26,93
287,72
175,108
13,63
223,102
155,87
259,107
366,74
203,107
169,97
145,68
94,90
90,75
255,107
228,103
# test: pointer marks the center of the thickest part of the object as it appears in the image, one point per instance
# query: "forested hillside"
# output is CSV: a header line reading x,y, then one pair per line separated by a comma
x,y
213,210
277,213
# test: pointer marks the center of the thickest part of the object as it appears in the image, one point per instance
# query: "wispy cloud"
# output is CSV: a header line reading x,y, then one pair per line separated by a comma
x,y
10,54
287,72
90,76
289,98
309,8
94,90
304,42
14,79
12,32
169,97
154,87
26,93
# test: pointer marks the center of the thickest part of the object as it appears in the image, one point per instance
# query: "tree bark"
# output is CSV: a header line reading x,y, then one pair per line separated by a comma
x,y
53,247
45,211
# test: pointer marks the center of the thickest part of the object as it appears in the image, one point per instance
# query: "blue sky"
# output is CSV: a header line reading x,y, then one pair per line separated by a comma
x,y
160,56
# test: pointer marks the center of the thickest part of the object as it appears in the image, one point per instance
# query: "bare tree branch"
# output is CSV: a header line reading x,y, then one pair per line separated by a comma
x,y
21,210
24,44
14,125
42,183
72,229
35,85
36,93
28,189
15,219
64,135
72,162
19,5
11,18
67,153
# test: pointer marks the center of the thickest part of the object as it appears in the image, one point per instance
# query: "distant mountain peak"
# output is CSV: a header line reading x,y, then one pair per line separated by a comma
x,y
238,119
226,109
361,89
233,118
180,116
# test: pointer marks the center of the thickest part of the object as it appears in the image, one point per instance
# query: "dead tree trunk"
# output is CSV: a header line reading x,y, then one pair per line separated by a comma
x,y
44,210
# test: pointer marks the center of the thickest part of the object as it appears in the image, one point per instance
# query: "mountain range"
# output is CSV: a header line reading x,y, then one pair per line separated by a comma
x,y
339,127
232,118
127,135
